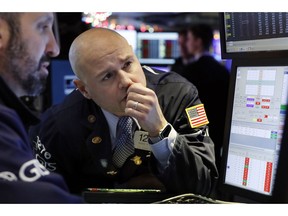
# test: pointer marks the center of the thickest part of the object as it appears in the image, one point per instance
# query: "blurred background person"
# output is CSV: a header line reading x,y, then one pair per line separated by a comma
x,y
211,79
185,57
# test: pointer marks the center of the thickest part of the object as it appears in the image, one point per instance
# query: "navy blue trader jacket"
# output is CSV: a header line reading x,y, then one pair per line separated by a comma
x,y
22,178
76,136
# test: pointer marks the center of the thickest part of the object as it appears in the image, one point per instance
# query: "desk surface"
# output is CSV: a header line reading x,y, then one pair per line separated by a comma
x,y
124,197
143,196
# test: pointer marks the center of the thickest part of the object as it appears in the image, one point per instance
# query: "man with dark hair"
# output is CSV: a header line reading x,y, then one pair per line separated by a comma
x,y
26,43
185,57
211,79
201,32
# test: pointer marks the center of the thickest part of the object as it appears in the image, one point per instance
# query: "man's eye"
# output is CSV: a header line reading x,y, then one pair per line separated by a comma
x,y
127,64
107,76
43,27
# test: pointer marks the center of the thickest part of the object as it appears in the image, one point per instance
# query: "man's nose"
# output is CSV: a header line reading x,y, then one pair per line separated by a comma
x,y
124,79
52,48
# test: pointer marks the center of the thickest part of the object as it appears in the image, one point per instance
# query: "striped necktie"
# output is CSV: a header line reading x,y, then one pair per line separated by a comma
x,y
124,146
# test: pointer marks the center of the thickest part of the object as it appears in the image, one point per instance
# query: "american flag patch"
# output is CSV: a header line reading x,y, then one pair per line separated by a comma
x,y
197,115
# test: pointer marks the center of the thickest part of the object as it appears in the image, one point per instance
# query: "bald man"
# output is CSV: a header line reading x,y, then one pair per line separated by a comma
x,y
171,150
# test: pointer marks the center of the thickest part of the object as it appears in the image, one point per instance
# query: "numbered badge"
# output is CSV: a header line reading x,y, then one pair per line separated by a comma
x,y
141,140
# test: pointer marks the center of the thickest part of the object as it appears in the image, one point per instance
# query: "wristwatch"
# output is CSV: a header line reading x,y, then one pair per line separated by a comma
x,y
163,134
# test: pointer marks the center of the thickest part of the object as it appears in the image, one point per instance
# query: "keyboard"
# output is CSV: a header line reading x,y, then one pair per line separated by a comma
x,y
190,199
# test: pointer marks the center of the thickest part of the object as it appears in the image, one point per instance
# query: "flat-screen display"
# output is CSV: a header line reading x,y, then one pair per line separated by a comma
x,y
257,110
131,37
157,48
62,78
257,34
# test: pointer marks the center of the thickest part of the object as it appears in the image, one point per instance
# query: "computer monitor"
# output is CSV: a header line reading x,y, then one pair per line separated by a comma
x,y
157,48
130,36
257,106
62,78
253,35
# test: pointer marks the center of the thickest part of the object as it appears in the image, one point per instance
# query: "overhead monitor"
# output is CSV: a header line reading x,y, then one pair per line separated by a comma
x,y
130,36
256,111
253,35
157,48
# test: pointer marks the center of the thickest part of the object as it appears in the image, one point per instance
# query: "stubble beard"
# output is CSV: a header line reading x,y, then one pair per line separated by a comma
x,y
24,70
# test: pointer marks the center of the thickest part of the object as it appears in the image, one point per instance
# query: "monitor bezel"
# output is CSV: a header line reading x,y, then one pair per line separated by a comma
x,y
280,190
252,54
227,188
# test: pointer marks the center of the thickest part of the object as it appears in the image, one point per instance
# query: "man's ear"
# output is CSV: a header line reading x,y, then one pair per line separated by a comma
x,y
81,87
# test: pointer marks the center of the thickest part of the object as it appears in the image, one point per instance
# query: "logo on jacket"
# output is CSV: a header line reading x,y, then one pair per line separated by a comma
x,y
43,156
9,176
30,171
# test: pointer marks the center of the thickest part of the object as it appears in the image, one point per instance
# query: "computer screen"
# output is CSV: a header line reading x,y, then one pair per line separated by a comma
x,y
257,106
62,78
157,48
246,34
130,36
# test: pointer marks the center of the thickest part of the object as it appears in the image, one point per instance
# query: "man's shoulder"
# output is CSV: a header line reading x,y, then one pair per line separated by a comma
x,y
7,112
10,123
169,83
5,108
212,62
73,105
158,77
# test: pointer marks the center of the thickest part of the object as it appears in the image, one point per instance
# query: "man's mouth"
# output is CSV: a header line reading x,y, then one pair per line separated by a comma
x,y
44,62
43,67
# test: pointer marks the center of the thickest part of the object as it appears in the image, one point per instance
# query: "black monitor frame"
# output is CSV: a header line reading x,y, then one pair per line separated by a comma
x,y
228,189
252,54
280,191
